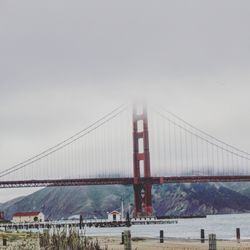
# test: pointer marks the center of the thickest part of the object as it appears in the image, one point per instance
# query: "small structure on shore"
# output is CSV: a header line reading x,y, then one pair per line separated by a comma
x,y
28,217
114,216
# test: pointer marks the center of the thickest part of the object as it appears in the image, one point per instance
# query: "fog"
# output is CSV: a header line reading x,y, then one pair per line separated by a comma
x,y
63,65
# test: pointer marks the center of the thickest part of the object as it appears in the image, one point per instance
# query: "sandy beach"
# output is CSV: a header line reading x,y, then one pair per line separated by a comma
x,y
114,243
17,241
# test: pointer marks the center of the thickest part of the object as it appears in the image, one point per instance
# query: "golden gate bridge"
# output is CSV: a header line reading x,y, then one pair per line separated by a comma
x,y
135,145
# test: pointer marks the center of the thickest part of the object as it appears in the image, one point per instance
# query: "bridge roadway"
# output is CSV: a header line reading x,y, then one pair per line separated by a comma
x,y
122,181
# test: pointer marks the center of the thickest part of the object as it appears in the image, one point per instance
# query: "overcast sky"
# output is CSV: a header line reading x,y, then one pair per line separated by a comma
x,y
64,64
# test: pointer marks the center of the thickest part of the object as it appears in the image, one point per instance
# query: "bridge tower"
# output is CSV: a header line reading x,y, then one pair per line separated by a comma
x,y
141,157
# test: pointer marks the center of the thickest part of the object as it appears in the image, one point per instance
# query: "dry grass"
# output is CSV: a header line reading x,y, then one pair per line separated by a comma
x,y
19,241
63,240
58,240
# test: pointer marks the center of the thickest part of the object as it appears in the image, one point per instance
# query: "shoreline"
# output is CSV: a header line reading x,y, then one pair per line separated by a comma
x,y
31,241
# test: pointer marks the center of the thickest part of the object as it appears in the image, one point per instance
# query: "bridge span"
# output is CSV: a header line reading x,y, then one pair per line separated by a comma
x,y
136,146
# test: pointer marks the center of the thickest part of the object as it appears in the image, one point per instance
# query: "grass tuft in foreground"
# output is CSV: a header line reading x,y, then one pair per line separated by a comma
x,y
61,240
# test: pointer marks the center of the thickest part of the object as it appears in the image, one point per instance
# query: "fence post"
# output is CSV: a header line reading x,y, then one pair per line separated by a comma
x,y
161,236
127,240
238,234
122,238
80,222
212,241
4,242
202,236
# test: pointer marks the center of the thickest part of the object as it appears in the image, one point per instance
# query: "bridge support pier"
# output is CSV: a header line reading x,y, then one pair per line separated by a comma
x,y
142,191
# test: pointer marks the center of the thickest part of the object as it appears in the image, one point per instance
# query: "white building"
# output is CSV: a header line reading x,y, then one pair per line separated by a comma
x,y
114,216
22,217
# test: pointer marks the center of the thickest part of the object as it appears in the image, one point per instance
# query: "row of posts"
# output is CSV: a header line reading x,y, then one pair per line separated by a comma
x,y
126,239
237,235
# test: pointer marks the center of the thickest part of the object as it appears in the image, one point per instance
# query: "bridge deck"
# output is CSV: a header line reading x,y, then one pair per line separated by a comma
x,y
122,181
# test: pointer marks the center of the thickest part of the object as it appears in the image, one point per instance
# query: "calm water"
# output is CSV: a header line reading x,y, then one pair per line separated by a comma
x,y
224,226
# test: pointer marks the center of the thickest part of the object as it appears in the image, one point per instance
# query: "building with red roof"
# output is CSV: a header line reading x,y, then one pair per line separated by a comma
x,y
33,216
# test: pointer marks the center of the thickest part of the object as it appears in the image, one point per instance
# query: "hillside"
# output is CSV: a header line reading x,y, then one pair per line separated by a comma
x,y
198,199
96,201
62,202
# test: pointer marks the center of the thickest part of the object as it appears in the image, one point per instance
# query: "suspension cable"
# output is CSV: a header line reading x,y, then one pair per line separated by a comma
x,y
202,138
67,141
203,132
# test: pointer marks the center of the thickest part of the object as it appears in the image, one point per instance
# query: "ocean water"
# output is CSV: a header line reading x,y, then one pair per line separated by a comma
x,y
224,226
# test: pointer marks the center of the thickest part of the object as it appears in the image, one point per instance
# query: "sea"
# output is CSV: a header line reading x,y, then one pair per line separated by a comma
x,y
224,226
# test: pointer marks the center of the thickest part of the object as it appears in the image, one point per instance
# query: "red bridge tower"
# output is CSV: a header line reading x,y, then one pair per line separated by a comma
x,y
142,191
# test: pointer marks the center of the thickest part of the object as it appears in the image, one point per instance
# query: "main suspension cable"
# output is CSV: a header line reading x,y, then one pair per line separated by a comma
x,y
67,141
203,132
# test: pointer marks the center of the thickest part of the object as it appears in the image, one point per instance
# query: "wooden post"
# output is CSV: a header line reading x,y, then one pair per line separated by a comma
x,y
122,238
80,222
202,236
161,236
127,240
212,242
4,242
238,234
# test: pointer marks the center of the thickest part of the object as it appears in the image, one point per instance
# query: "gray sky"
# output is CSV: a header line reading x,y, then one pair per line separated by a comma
x,y
63,64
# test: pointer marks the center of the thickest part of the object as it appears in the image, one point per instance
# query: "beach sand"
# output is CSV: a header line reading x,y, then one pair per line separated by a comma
x,y
114,243
17,241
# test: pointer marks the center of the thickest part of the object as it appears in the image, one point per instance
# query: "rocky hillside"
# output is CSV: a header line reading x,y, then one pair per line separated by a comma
x,y
96,201
198,199
62,202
